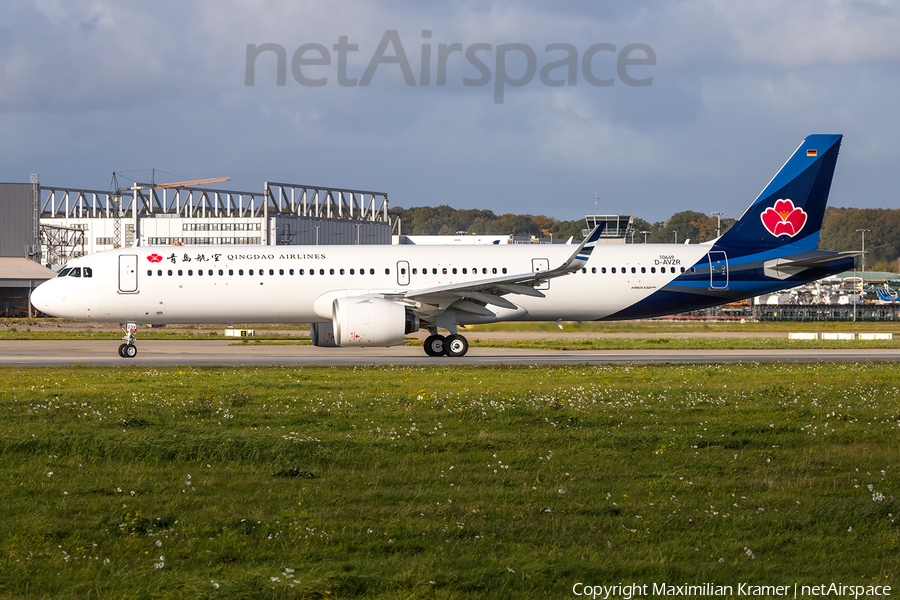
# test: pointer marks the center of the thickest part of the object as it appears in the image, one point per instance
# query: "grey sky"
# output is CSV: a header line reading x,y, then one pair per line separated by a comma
x,y
95,86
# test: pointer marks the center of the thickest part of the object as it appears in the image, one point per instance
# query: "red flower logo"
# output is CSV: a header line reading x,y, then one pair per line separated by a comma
x,y
784,219
155,258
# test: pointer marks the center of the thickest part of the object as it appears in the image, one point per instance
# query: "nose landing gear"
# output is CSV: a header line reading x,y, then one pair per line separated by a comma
x,y
128,349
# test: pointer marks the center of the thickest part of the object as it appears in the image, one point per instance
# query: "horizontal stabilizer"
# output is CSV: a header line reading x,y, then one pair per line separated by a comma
x,y
782,268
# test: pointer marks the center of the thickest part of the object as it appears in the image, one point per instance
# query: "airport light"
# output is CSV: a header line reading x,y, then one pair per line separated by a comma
x,y
718,216
317,227
863,232
645,234
676,236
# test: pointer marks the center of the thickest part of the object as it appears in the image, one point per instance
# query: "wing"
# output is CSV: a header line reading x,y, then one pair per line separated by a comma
x,y
475,296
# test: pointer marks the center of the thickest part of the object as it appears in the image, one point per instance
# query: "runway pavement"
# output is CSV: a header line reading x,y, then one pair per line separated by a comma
x,y
222,352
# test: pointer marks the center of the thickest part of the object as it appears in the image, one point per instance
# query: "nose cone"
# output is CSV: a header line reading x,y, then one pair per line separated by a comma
x,y
42,297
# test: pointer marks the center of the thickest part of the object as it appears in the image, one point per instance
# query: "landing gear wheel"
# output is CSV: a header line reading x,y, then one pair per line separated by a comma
x,y
128,349
435,345
456,346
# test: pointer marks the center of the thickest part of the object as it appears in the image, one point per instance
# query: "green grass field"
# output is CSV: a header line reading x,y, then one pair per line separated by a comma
x,y
444,482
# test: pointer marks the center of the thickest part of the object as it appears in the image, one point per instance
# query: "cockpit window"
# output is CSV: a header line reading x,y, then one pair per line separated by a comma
x,y
76,272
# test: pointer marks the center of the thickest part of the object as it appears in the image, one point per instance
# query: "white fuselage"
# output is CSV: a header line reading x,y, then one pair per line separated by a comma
x,y
164,284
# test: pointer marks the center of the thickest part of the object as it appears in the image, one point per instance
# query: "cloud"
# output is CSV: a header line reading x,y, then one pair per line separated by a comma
x,y
92,86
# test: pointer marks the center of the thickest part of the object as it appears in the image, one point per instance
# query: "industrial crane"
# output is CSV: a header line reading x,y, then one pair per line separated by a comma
x,y
117,199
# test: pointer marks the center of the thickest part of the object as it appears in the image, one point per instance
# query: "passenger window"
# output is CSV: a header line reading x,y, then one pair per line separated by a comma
x,y
231,271
190,272
643,269
271,271
494,270
444,271
484,270
170,272
352,272
584,270
454,270
415,272
613,269
281,271
342,271
210,272
434,271
180,273
371,271
159,272
331,271
200,272
387,271
321,271
290,271
653,269
88,272
403,271
594,270
633,270
504,270
464,270
149,273
299,271
221,272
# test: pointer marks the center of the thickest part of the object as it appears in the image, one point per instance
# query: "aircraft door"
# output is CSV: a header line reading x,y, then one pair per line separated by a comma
x,y
128,273
718,271
402,272
541,264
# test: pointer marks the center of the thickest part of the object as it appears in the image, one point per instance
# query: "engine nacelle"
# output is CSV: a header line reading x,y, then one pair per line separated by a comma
x,y
360,321
322,335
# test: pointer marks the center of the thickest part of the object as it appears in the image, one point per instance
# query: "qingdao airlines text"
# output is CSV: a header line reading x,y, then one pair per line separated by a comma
x,y
712,590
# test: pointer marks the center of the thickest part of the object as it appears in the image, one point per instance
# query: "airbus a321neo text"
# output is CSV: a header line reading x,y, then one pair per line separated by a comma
x,y
375,295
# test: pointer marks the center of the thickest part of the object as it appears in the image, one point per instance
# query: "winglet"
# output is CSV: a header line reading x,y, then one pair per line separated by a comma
x,y
581,255
583,252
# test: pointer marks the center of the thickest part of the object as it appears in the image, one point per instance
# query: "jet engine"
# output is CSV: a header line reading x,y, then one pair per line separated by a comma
x,y
359,321
322,335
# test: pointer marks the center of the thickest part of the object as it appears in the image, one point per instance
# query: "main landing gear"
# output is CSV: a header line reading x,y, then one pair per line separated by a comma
x,y
128,349
452,345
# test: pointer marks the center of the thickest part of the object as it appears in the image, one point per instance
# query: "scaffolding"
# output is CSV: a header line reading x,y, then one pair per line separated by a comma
x,y
326,202
321,202
61,244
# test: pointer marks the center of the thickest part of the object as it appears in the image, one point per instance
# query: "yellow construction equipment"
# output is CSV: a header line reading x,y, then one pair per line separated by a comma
x,y
192,182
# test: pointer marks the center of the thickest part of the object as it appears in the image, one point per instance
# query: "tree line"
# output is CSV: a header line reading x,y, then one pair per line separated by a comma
x,y
839,229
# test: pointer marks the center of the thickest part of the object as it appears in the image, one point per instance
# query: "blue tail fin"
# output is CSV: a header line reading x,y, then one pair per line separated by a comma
x,y
789,211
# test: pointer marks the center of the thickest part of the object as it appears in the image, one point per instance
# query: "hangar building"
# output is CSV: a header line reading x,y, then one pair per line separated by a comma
x,y
50,225
19,244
